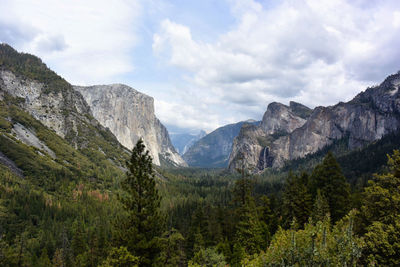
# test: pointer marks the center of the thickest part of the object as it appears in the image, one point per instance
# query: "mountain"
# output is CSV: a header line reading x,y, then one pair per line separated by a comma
x,y
183,141
47,129
288,133
129,115
212,151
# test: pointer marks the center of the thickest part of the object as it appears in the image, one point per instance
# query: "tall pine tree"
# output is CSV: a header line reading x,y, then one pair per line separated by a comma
x,y
143,225
328,178
297,203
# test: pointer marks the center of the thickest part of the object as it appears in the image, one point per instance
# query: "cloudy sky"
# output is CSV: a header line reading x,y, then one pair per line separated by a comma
x,y
208,63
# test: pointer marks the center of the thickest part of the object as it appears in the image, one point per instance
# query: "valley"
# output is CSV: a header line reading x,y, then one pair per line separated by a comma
x,y
74,172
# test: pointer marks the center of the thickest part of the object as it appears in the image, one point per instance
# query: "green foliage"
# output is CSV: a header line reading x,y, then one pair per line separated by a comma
x,y
321,207
380,215
31,67
41,169
317,245
328,178
143,223
208,257
297,200
120,257
172,252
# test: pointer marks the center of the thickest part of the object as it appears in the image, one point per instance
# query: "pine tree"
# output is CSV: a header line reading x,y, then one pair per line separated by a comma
x,y
297,203
139,230
248,229
381,216
172,251
328,177
321,208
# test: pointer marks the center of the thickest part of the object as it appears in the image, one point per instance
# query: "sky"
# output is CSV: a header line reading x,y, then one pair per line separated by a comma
x,y
209,63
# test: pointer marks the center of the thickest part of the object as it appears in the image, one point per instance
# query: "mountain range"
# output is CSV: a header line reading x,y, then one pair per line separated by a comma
x,y
291,132
105,121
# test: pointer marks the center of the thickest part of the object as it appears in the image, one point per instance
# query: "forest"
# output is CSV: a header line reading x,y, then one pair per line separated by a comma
x,y
314,216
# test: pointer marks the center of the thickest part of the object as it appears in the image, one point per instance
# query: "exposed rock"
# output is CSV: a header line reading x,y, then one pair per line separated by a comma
x,y
25,81
29,138
280,119
129,115
213,150
285,135
183,141
60,110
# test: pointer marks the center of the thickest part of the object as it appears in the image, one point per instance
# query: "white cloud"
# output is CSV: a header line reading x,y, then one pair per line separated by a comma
x,y
315,52
85,41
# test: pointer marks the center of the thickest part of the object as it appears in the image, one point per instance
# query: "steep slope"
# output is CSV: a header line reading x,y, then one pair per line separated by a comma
x,y
213,149
26,84
32,150
183,141
368,117
129,115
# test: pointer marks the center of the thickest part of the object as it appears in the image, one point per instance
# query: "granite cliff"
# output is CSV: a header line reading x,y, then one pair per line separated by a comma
x,y
183,141
129,115
292,132
214,148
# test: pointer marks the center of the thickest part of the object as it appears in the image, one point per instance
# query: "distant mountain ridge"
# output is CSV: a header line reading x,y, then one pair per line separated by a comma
x,y
183,141
291,132
213,150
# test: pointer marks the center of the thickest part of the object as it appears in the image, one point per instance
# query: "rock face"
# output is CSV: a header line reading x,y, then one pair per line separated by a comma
x,y
288,133
213,149
183,141
64,111
252,146
129,115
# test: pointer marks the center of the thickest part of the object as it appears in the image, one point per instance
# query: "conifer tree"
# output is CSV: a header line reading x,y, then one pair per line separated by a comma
x,y
321,208
381,216
297,202
249,229
139,230
328,177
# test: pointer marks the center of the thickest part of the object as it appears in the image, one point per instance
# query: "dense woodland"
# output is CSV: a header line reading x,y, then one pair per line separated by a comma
x,y
198,217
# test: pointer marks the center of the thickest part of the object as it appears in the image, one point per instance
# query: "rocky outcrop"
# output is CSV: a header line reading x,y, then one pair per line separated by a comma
x,y
129,115
213,150
252,147
288,133
64,111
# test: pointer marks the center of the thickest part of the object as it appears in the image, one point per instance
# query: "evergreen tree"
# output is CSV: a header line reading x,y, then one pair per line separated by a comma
x,y
120,257
316,245
207,257
381,216
248,229
139,230
328,177
297,203
172,251
321,208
